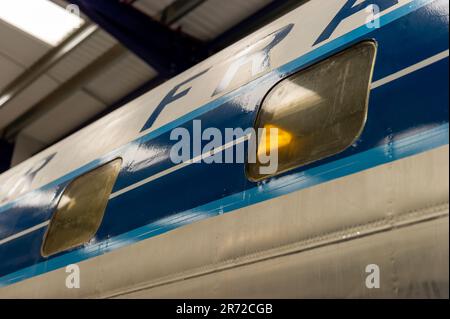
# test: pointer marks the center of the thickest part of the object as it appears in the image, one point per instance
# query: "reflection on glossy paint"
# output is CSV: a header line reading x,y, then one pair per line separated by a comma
x,y
257,55
39,199
19,184
147,155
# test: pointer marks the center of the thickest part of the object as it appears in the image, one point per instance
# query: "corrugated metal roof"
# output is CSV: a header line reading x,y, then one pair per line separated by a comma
x,y
27,98
210,19
123,77
81,56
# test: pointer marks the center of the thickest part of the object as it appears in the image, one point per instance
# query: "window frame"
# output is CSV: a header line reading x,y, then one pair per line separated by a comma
x,y
305,68
55,210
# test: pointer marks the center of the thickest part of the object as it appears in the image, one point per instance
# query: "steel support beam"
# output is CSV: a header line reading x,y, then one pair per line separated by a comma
x,y
168,51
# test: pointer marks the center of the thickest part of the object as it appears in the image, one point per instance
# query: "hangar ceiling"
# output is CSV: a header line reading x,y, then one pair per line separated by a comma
x,y
48,92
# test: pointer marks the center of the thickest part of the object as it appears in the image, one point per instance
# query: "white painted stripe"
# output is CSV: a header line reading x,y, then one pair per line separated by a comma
x,y
179,166
410,69
24,232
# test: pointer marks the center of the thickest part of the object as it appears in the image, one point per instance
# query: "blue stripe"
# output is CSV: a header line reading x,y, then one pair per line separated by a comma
x,y
405,147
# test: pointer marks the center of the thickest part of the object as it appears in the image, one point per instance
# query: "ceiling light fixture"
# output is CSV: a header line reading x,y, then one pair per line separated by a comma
x,y
42,19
